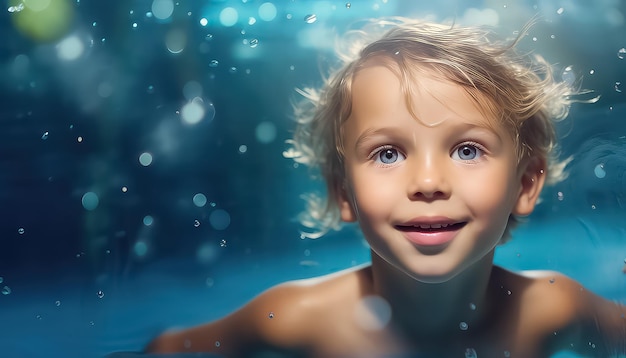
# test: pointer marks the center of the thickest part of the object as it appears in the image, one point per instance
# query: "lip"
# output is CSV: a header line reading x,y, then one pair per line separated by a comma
x,y
430,231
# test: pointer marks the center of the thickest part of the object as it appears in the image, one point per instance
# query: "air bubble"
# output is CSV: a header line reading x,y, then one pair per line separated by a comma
x,y
90,201
196,223
219,219
20,231
621,53
348,5
552,280
145,159
618,87
222,243
214,63
599,171
45,135
560,11
470,353
311,18
57,303
148,220
217,344
100,294
243,148
507,354
6,290
472,307
254,43
199,200
560,196
463,326
271,315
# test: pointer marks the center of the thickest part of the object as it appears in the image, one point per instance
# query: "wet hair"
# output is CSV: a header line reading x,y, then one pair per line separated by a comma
x,y
516,89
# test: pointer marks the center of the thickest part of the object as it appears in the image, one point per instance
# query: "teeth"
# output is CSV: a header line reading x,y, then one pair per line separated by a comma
x,y
433,226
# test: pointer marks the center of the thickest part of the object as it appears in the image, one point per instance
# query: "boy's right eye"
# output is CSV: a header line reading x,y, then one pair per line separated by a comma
x,y
387,155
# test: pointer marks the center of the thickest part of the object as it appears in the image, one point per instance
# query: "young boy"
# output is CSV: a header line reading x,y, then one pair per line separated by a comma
x,y
434,139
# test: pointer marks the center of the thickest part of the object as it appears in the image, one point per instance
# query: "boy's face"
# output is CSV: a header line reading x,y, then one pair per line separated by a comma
x,y
433,195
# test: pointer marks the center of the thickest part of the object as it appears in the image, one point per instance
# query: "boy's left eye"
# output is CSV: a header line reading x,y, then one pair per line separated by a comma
x,y
467,152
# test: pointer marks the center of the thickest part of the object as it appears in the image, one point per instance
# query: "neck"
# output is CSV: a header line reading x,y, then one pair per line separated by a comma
x,y
432,309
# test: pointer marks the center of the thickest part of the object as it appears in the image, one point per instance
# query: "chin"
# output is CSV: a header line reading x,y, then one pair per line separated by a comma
x,y
432,274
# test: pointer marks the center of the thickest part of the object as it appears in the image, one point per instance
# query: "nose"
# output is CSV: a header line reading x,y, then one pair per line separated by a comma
x,y
428,180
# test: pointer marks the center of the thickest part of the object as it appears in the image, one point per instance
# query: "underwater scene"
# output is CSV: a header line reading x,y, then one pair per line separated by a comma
x,y
145,175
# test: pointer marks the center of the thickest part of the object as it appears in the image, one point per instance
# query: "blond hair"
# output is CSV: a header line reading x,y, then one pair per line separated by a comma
x,y
518,89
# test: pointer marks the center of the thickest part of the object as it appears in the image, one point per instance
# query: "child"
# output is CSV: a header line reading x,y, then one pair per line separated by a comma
x,y
434,139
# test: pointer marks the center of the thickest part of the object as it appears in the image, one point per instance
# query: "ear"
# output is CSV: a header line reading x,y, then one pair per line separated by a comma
x,y
532,180
346,209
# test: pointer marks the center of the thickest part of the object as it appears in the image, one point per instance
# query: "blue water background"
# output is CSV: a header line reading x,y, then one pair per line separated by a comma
x,y
79,113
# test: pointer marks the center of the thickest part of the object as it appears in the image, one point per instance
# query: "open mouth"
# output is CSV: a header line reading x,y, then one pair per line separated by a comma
x,y
431,228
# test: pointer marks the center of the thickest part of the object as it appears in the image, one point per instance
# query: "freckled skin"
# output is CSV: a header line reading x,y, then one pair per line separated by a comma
x,y
447,297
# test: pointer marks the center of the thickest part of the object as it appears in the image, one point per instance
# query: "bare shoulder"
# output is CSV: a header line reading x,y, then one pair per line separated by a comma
x,y
289,317
279,313
566,314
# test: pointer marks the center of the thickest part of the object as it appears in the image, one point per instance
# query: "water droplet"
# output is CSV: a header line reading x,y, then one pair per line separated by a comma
x,y
311,18
470,353
217,343
100,294
463,326
599,171
47,134
271,315
621,53
214,63
348,5
17,8
223,243
21,232
560,196
57,303
472,307
254,43
196,223
617,87
6,290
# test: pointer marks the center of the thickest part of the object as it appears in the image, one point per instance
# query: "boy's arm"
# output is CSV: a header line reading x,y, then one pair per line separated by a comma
x,y
605,325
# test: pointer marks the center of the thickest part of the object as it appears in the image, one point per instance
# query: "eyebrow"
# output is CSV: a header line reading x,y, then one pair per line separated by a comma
x,y
397,131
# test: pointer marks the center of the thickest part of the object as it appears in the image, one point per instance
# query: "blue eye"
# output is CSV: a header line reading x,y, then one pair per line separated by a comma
x,y
467,152
389,156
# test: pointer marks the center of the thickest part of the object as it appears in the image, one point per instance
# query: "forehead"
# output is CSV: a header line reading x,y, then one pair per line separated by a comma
x,y
380,85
